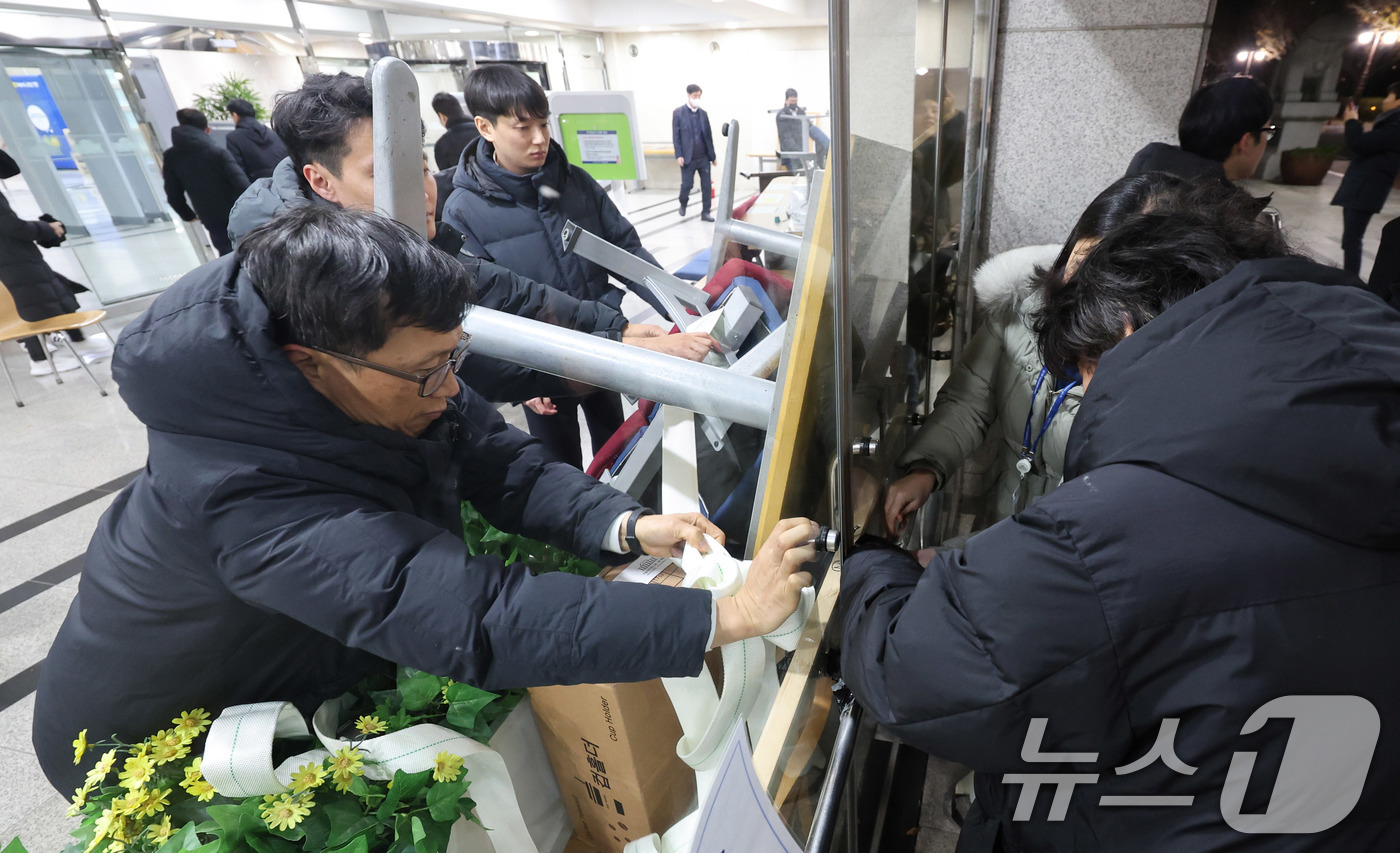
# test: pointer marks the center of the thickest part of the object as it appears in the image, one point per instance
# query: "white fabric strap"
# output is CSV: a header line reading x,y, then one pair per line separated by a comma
x,y
238,761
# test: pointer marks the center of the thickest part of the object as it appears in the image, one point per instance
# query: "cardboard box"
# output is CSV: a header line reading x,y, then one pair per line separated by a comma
x,y
613,749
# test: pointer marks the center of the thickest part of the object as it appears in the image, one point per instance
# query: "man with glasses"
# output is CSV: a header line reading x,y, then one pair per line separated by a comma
x,y
298,523
1223,131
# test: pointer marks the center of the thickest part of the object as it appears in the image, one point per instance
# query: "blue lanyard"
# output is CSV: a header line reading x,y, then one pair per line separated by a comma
x,y
1028,450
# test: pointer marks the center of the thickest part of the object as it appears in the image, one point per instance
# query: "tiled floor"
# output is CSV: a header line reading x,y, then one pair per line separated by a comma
x,y
67,442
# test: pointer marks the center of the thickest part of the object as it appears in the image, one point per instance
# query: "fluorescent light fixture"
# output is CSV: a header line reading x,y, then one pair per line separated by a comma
x,y
455,30
532,32
643,29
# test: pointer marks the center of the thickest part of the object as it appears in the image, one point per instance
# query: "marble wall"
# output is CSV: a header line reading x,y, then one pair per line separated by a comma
x,y
1081,85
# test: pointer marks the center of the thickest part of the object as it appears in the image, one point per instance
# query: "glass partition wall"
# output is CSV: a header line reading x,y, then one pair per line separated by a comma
x,y
881,306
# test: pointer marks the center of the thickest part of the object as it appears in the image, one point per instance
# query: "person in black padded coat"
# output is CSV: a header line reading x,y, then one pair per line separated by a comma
x,y
39,292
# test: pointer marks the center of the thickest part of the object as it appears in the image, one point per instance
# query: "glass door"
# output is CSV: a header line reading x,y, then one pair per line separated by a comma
x,y
87,161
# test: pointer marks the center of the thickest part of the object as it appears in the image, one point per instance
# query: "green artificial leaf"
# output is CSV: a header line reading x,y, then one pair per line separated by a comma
x,y
316,826
186,839
418,833
269,844
406,787
359,787
347,822
466,807
465,703
238,822
443,797
15,846
359,845
418,688
400,721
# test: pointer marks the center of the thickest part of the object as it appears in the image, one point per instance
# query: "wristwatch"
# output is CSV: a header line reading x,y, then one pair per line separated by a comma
x,y
633,545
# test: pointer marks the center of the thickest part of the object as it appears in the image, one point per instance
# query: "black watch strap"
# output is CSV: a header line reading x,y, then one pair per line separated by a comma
x,y
634,546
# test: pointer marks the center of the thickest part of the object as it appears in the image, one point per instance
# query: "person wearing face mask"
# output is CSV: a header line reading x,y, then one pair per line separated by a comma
x,y
694,147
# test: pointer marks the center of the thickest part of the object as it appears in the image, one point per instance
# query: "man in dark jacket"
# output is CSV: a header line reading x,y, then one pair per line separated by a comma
x,y
255,149
1367,182
297,525
694,147
1223,131
1225,550
1385,275
513,193
327,126
793,137
461,129
194,165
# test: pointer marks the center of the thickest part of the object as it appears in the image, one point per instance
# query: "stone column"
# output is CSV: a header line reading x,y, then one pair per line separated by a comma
x,y
1081,85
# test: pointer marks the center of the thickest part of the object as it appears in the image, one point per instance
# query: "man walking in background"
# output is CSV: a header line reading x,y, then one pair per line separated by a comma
x,y
196,167
447,151
695,148
1366,185
254,147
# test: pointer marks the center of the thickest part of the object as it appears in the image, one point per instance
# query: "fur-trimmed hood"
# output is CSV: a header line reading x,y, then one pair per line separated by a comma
x,y
1004,281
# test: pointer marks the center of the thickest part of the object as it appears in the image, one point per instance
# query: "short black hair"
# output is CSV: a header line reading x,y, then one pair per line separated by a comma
x,y
692,89
446,103
343,280
240,107
1219,114
315,121
1190,234
496,90
191,117
791,93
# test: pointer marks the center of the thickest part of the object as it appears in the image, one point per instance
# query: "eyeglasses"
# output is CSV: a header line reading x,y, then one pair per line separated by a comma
x,y
1268,131
427,382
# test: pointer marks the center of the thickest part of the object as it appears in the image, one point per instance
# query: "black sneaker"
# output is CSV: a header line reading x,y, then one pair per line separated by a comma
x,y
682,210
705,217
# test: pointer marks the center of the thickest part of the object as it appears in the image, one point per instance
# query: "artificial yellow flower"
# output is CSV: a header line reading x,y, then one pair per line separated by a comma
x,y
153,801
116,846
80,746
160,832
193,770
79,799
447,767
198,788
128,804
346,764
104,826
100,770
137,771
165,752
307,777
370,725
286,811
192,724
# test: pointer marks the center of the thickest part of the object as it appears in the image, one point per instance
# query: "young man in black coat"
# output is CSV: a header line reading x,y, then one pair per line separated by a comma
x,y
512,195
255,149
298,523
694,147
1188,645
461,129
196,167
1224,131
327,126
1367,182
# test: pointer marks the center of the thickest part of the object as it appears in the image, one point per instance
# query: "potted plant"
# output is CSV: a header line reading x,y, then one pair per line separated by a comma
x,y
1306,167
214,99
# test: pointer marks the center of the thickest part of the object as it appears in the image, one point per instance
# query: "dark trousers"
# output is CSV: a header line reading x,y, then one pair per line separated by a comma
x,y
218,235
36,346
701,165
1354,224
559,432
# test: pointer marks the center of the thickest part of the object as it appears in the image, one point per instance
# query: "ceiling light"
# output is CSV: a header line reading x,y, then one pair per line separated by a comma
x,y
455,30
532,32
921,71
643,29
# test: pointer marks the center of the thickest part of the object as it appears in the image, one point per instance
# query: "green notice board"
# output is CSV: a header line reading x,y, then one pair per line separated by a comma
x,y
600,144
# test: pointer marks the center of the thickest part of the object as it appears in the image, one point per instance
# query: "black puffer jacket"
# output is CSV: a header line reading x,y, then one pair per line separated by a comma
x,y
508,220
447,151
496,287
1374,165
38,291
272,549
1229,534
196,167
255,148
1161,157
